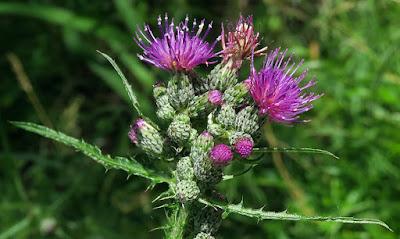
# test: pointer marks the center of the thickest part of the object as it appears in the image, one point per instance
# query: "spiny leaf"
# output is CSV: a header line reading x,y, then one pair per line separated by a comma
x,y
127,86
294,150
130,166
260,214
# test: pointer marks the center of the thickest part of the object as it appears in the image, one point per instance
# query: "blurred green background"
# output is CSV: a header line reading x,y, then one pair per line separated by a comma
x,y
51,74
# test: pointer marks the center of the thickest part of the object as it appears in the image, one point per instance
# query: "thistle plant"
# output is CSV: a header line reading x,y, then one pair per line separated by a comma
x,y
212,121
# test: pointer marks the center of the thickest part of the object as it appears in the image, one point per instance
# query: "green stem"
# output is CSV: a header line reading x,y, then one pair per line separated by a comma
x,y
177,223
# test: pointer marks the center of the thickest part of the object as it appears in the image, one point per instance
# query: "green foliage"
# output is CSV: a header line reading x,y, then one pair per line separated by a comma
x,y
131,166
294,150
350,46
260,214
128,87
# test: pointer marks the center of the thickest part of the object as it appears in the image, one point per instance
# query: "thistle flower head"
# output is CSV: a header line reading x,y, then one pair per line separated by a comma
x,y
178,48
244,146
277,92
221,154
215,97
241,42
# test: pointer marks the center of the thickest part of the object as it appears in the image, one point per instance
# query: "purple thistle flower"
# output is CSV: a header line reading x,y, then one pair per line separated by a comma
x,y
277,92
178,48
244,147
215,97
221,154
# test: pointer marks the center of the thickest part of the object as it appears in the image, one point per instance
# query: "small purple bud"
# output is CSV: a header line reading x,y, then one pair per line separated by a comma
x,y
206,134
244,147
215,97
132,134
221,154
247,83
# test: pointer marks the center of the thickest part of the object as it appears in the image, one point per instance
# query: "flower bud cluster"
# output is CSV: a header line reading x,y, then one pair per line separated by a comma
x,y
213,119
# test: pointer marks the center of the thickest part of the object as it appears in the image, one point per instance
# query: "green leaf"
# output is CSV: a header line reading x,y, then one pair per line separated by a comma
x,y
130,166
294,150
260,214
127,86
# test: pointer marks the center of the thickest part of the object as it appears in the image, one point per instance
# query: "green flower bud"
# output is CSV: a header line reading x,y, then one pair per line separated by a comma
x,y
226,116
193,136
208,220
203,143
164,109
187,191
205,171
203,235
247,120
146,137
159,90
198,105
221,77
184,169
180,91
180,129
236,94
234,136
213,127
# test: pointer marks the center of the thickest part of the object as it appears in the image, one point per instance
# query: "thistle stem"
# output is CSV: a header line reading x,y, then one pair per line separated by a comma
x,y
177,223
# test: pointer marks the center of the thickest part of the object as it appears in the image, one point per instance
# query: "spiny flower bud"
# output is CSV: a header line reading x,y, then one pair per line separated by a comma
x,y
180,91
247,120
180,129
213,127
146,137
164,109
184,169
221,77
215,97
221,154
203,143
159,90
244,146
204,169
187,191
208,220
237,94
203,235
198,105
226,116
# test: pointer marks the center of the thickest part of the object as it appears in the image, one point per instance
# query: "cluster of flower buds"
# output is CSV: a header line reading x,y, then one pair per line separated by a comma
x,y
213,119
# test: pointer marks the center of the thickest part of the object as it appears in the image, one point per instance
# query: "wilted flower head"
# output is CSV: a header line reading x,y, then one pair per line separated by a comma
x,y
241,42
178,48
277,92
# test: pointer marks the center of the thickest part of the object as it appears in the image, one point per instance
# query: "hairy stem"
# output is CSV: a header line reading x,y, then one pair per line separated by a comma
x,y
176,223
